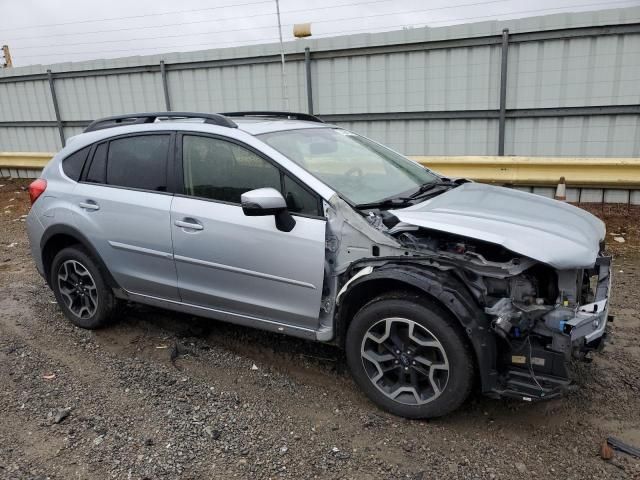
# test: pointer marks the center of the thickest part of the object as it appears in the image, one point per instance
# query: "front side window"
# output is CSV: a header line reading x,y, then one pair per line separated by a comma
x,y
220,170
360,170
298,199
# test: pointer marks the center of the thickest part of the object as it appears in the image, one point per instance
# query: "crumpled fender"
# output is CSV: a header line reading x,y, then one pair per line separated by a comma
x,y
444,286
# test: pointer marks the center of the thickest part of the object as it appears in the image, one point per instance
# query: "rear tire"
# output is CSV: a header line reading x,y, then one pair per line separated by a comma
x,y
80,289
409,356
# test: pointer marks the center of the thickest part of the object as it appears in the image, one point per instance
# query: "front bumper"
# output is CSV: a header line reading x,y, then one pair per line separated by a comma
x,y
586,329
539,372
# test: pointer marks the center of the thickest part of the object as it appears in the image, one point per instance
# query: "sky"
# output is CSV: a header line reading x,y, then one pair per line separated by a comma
x,y
54,31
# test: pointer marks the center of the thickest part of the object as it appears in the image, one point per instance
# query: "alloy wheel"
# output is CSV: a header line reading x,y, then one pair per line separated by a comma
x,y
405,361
78,289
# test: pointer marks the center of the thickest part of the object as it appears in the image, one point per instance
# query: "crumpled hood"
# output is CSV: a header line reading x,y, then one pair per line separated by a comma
x,y
546,230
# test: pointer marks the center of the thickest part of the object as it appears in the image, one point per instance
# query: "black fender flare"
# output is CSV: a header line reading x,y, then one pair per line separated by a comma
x,y
69,231
445,287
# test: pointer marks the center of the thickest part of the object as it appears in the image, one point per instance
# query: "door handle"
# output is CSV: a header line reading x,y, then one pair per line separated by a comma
x,y
191,225
89,205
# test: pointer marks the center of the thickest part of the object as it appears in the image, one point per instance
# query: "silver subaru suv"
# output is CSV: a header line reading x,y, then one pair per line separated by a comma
x,y
433,286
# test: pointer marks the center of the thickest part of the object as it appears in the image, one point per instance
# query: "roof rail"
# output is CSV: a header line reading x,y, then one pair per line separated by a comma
x,y
290,115
138,118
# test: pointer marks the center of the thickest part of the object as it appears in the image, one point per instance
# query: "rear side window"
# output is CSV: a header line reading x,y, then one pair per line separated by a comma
x,y
139,162
72,165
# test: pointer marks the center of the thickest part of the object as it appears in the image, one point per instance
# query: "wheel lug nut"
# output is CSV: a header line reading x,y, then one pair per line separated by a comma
x,y
413,363
406,368
398,352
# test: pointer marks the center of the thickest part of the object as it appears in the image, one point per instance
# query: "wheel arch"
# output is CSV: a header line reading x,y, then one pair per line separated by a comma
x,y
57,237
441,286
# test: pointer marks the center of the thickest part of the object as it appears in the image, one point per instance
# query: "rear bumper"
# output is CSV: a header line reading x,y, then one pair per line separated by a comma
x,y
35,230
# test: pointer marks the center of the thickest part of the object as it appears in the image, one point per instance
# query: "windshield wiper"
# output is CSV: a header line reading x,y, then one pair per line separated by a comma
x,y
405,201
389,202
427,187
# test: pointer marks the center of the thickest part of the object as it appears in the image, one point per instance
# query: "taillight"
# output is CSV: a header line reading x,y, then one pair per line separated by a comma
x,y
36,189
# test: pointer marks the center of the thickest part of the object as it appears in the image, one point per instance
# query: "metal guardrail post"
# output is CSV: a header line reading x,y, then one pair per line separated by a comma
x,y
165,86
307,68
56,110
503,91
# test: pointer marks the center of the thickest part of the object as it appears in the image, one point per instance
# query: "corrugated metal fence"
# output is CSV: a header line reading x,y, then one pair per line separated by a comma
x,y
557,85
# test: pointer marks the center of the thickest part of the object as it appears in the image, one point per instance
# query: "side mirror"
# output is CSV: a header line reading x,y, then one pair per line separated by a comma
x,y
268,201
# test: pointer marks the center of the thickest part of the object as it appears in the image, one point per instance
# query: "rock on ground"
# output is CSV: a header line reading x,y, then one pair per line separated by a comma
x,y
135,413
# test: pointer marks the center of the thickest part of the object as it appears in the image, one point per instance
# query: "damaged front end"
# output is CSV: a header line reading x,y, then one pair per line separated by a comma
x,y
542,317
539,338
525,319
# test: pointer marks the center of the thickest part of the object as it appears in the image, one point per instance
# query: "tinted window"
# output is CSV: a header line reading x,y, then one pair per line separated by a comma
x,y
139,162
298,199
98,168
222,170
72,165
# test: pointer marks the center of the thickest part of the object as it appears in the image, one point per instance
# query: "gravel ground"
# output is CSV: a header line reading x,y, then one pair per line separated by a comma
x,y
162,395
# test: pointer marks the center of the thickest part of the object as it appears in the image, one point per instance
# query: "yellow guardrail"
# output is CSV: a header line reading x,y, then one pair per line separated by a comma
x,y
595,172
26,160
578,172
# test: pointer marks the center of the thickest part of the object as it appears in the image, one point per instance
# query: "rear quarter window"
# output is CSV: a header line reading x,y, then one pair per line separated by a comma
x,y
73,164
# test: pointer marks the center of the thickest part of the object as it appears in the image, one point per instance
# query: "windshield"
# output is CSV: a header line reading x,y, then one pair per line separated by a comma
x,y
360,170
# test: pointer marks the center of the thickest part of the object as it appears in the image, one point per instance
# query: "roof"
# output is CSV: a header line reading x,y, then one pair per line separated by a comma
x,y
258,125
254,122
250,125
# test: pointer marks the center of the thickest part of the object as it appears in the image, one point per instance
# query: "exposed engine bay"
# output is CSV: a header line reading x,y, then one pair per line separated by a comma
x,y
541,317
531,310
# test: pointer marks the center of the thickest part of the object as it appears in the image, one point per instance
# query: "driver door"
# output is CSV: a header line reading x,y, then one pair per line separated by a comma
x,y
239,265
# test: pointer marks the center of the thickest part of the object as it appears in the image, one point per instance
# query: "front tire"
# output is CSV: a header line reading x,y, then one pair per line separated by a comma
x,y
409,356
80,289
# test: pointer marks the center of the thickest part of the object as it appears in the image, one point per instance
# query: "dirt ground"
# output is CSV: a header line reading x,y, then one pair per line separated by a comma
x,y
239,403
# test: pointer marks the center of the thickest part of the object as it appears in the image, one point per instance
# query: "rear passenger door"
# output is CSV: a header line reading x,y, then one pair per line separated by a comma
x,y
241,265
123,207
